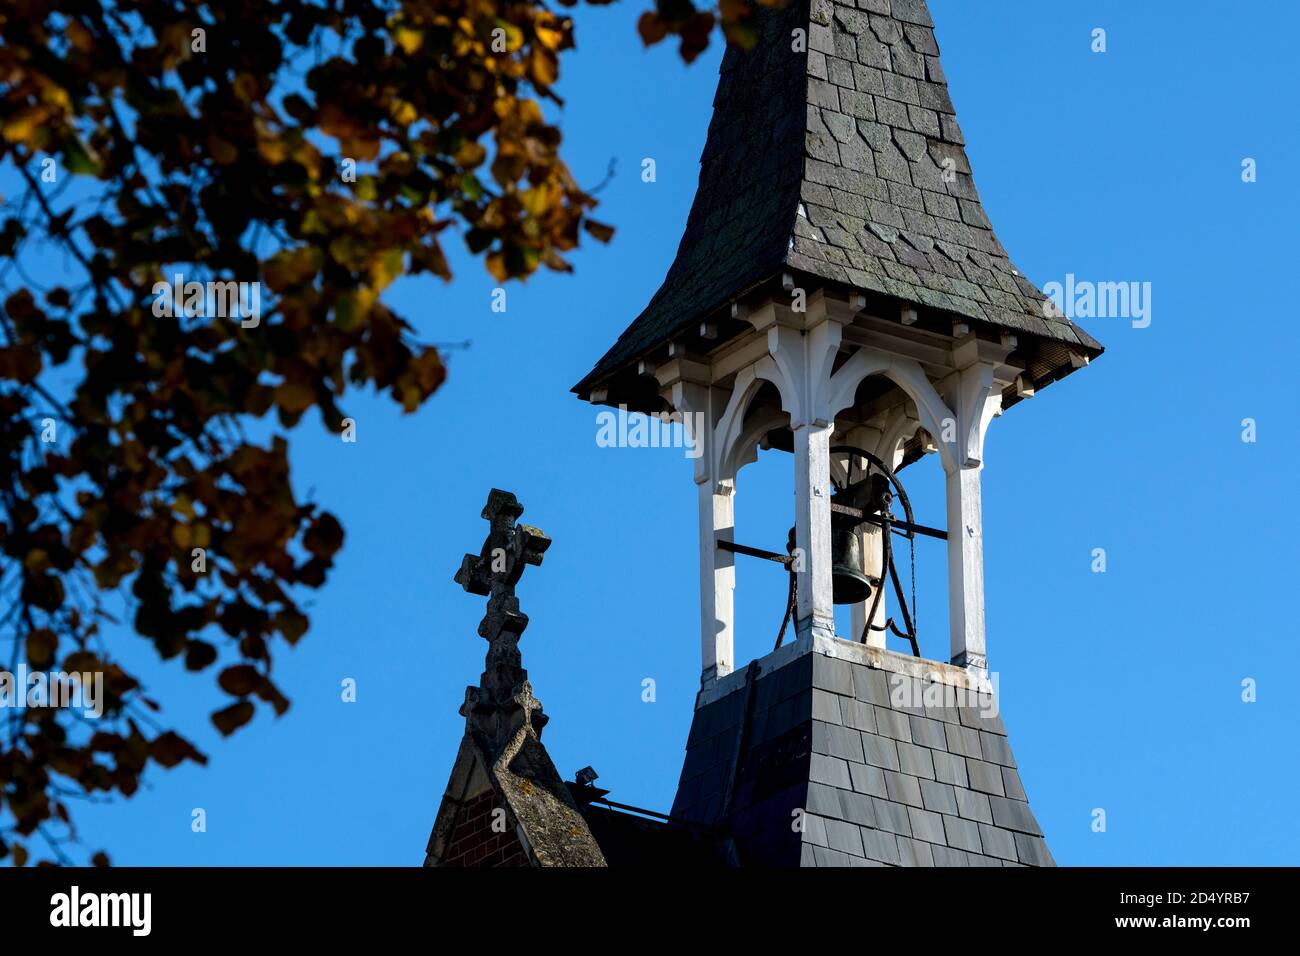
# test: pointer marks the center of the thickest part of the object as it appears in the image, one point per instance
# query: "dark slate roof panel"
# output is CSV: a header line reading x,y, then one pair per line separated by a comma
x,y
844,162
760,752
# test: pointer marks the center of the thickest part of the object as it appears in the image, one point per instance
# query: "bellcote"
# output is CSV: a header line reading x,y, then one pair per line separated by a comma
x,y
839,293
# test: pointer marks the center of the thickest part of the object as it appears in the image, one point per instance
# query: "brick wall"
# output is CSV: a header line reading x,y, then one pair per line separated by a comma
x,y
474,843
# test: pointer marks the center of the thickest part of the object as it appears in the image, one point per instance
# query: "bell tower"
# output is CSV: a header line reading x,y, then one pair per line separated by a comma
x,y
839,294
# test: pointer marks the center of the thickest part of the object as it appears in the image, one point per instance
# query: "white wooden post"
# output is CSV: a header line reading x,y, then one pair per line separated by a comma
x,y
717,580
975,396
801,358
684,383
966,568
814,610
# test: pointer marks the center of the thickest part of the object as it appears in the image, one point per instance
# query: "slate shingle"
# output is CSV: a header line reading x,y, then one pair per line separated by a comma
x,y
962,834
883,846
938,797
844,836
926,825
915,760
950,768
973,805
1033,851
1011,783
998,842
985,777
891,816
829,770
868,779
914,852
1014,815
903,789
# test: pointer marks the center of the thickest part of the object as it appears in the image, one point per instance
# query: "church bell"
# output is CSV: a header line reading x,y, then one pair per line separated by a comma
x,y
848,582
855,573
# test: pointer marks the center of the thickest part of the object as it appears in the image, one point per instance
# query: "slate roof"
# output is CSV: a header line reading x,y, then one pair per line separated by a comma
x,y
629,841
877,783
831,162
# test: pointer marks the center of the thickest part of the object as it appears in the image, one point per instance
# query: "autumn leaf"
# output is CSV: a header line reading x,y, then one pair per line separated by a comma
x,y
599,230
239,680
652,28
41,645
169,749
230,719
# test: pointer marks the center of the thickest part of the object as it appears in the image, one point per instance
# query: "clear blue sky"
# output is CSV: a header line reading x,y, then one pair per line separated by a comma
x,y
1121,690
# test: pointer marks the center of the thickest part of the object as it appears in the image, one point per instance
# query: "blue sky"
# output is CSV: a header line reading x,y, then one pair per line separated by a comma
x,y
1121,690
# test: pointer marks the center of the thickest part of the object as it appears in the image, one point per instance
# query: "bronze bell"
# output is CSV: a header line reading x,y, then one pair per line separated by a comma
x,y
849,584
852,581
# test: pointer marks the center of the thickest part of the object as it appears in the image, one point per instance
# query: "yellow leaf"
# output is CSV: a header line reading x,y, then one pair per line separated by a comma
x,y
272,150
549,37
542,67
530,113
20,127
367,189
539,199
386,267
409,40
470,155
404,112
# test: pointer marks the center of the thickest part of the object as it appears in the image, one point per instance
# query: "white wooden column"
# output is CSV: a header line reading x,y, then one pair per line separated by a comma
x,y
966,568
801,356
684,384
717,580
975,396
814,610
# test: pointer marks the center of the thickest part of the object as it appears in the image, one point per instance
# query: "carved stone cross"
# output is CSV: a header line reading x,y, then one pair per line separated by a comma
x,y
494,572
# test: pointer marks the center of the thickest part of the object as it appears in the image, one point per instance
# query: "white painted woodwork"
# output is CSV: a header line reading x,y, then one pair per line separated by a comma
x,y
966,569
717,580
815,610
949,387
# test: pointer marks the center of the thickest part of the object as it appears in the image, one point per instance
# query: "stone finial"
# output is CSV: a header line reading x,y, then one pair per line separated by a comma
x,y
494,572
